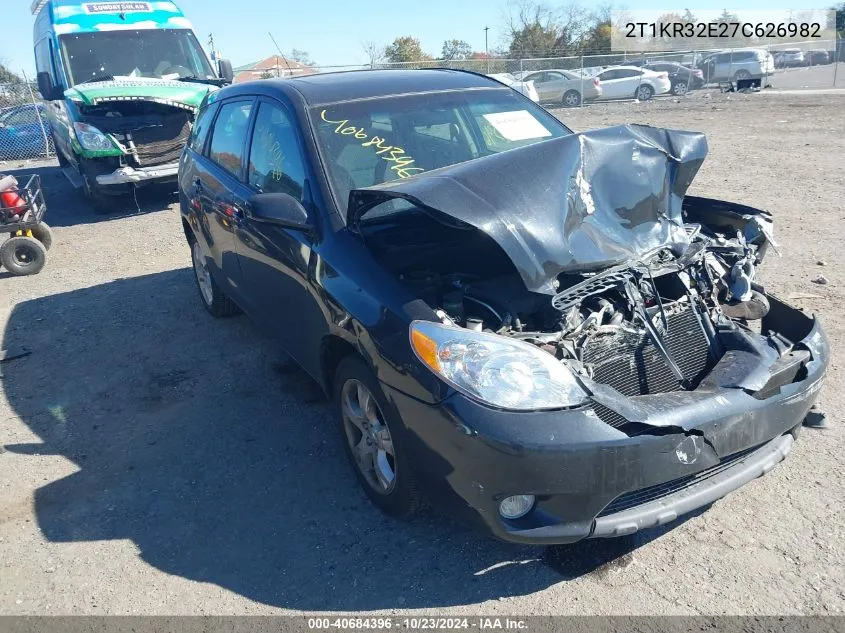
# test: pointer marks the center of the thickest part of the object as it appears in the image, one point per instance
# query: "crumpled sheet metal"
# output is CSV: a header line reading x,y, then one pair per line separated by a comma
x,y
578,203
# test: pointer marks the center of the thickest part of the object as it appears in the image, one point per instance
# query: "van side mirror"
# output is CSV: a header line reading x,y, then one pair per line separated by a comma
x,y
224,70
48,91
280,209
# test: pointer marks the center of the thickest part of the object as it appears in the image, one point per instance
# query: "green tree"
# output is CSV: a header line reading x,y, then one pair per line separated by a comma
x,y
455,49
727,16
405,49
839,18
688,17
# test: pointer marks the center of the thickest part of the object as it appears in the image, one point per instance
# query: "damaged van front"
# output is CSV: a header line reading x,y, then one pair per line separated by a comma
x,y
123,82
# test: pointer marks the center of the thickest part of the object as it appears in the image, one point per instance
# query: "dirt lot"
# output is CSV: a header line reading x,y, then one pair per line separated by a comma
x,y
155,461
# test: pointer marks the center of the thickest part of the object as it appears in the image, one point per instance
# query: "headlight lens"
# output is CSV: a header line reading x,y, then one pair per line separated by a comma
x,y
501,372
91,138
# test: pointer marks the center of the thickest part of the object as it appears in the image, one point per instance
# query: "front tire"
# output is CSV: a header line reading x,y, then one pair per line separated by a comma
x,y
372,437
680,89
644,92
23,256
571,99
218,304
742,74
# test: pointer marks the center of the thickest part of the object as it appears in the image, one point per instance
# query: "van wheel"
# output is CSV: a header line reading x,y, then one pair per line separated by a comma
x,y
99,201
23,256
63,162
572,99
374,441
742,74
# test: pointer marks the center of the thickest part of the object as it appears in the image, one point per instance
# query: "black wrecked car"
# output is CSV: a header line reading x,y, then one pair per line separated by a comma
x,y
536,330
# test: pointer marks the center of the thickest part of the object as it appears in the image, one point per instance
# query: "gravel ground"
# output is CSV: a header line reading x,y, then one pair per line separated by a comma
x,y
155,461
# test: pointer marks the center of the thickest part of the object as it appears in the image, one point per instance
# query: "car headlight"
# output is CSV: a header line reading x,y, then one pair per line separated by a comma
x,y
91,138
498,371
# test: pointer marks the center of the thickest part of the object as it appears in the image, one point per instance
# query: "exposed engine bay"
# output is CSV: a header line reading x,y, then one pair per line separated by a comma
x,y
646,327
602,262
150,133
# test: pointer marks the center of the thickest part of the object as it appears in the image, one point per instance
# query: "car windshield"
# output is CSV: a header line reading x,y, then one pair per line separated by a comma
x,y
372,141
154,53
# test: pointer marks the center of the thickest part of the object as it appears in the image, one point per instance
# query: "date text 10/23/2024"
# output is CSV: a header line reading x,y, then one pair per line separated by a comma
x,y
420,623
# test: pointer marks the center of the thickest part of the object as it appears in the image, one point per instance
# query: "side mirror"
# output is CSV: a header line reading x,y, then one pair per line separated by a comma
x,y
49,91
280,209
224,70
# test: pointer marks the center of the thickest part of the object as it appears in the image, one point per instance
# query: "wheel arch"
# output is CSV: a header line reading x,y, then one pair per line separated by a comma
x,y
333,349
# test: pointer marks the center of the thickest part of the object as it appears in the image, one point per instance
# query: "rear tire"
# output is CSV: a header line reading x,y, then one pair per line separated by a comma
x,y
742,74
571,99
680,89
368,424
218,304
644,92
23,256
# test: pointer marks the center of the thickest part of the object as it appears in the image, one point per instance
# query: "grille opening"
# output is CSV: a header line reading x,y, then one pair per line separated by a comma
x,y
162,144
631,363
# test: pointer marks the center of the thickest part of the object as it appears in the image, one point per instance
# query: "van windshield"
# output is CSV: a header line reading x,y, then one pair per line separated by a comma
x,y
154,53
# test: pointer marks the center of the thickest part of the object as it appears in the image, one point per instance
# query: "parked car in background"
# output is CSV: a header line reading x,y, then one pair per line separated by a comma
x,y
630,82
537,331
564,86
21,132
749,63
683,79
789,58
526,88
817,57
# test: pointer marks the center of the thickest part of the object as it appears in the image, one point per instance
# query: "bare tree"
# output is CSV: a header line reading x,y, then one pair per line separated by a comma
x,y
374,52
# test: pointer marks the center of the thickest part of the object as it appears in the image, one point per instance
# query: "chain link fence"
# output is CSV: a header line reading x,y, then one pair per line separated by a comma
x,y
805,65
24,130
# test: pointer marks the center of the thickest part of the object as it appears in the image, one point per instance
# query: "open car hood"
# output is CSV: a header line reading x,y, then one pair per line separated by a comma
x,y
578,203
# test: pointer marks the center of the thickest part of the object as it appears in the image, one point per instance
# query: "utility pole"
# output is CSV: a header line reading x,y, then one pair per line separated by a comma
x,y
211,46
487,48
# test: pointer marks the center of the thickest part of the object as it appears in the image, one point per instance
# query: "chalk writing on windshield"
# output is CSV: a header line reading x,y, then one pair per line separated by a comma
x,y
391,153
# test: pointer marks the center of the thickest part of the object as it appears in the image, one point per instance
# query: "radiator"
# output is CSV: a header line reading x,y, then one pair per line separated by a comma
x,y
162,144
631,363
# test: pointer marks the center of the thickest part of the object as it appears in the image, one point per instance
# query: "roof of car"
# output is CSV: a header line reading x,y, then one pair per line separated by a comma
x,y
366,84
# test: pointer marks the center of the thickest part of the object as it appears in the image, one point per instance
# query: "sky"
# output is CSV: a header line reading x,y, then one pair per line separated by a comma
x,y
332,31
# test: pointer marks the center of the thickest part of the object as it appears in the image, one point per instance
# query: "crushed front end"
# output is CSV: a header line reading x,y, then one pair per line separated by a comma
x,y
682,377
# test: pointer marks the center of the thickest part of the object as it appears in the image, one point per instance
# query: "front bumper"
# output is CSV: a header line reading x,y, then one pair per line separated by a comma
x,y
594,480
133,175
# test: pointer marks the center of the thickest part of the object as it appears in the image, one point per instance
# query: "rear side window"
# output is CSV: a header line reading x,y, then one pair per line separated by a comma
x,y
229,136
201,128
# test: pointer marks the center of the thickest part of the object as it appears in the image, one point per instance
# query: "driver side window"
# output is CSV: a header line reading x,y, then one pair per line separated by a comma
x,y
275,160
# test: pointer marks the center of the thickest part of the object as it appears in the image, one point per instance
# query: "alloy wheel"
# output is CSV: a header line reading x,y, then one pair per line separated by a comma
x,y
202,274
368,437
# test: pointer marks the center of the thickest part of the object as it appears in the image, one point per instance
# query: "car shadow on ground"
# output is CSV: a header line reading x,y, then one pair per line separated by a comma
x,y
194,439
67,206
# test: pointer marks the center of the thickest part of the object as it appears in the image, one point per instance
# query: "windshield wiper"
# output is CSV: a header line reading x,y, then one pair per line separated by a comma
x,y
202,80
96,79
